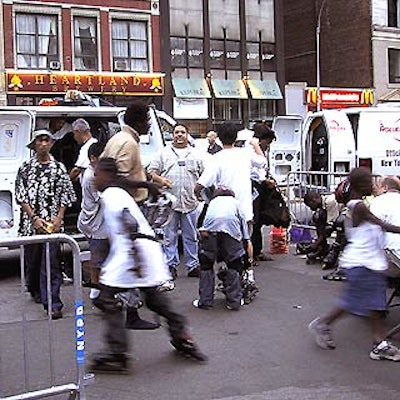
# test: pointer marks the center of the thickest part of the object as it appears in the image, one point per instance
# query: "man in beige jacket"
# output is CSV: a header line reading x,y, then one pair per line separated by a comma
x,y
123,147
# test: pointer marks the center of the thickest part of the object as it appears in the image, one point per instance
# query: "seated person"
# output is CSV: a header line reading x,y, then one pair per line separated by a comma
x,y
319,247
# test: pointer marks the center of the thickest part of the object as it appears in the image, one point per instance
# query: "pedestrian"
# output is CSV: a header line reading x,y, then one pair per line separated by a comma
x,y
92,224
262,183
213,146
385,207
364,292
124,148
84,138
221,240
135,260
44,190
177,168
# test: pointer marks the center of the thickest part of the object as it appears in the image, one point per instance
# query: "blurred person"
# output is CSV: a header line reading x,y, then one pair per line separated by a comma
x,y
363,258
135,260
213,146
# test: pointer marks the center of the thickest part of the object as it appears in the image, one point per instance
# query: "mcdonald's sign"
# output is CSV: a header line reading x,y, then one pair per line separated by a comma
x,y
339,98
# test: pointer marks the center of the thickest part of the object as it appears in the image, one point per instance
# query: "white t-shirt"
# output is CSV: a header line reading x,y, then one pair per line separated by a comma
x,y
386,208
116,270
83,158
231,168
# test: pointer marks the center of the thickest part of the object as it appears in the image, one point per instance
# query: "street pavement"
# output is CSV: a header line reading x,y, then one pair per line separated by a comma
x,y
262,352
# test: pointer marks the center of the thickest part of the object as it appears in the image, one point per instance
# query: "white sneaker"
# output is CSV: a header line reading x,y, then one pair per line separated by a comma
x,y
94,294
385,351
167,286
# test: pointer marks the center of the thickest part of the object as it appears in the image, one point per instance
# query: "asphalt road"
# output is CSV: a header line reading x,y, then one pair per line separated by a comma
x,y
262,352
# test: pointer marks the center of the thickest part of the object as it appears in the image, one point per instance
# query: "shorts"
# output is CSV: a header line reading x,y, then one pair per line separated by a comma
x,y
99,249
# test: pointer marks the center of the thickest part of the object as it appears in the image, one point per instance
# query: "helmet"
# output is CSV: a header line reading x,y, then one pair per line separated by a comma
x,y
342,192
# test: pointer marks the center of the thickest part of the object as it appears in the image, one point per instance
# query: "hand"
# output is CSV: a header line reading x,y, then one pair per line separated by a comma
x,y
254,141
57,222
165,182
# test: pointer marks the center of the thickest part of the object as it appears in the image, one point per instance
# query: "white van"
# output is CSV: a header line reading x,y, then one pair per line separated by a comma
x,y
17,125
338,140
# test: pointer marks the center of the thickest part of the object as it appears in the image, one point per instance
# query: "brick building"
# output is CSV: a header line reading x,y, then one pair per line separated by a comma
x,y
223,60
359,44
108,48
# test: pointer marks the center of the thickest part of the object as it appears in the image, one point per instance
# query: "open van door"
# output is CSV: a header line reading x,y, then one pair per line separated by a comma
x,y
328,142
285,152
15,134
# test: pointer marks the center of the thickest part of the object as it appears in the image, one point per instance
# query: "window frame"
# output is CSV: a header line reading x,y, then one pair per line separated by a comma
x,y
131,58
390,62
96,57
36,35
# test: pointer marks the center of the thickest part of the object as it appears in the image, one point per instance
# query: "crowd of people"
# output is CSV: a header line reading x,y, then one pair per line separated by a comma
x,y
216,208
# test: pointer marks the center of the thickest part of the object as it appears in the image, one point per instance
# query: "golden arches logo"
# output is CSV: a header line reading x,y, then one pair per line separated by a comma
x,y
367,96
311,96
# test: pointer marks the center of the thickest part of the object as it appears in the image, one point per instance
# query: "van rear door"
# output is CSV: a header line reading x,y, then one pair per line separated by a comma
x,y
15,134
378,142
285,152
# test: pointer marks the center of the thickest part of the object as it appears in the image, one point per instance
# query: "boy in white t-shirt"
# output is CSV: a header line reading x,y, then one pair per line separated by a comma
x,y
138,263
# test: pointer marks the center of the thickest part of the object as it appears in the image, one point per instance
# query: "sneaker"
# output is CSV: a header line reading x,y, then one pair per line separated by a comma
x,y
173,271
196,303
188,348
139,324
56,314
166,286
231,308
322,333
385,351
110,364
194,273
66,280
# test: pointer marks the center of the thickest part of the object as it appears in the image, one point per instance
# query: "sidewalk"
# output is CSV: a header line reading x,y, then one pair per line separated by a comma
x,y
263,351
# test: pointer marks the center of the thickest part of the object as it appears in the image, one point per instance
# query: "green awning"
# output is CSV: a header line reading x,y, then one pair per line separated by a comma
x,y
191,88
268,89
229,89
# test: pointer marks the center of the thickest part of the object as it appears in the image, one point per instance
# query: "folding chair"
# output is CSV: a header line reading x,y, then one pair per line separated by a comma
x,y
393,283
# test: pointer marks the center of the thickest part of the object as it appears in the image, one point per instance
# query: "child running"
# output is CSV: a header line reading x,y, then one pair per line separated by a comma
x,y
365,263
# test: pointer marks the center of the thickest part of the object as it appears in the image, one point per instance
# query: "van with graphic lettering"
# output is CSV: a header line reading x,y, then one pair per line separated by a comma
x,y
17,124
338,140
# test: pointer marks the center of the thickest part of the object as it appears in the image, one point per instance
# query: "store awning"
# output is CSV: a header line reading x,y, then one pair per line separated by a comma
x,y
229,89
191,88
268,89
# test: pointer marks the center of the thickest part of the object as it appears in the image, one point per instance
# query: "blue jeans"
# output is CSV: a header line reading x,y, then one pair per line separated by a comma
x,y
35,259
187,223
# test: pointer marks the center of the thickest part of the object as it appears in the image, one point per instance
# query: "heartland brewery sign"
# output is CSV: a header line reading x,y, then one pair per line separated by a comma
x,y
103,83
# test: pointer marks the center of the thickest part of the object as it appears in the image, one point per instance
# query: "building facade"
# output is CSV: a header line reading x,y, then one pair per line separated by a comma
x,y
109,49
223,61
359,45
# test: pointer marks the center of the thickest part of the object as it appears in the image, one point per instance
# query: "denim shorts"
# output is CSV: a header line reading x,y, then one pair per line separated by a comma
x,y
99,249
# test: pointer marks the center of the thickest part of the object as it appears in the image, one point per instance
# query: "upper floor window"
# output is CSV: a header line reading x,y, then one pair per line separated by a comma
x,y
393,13
130,45
36,40
85,44
394,65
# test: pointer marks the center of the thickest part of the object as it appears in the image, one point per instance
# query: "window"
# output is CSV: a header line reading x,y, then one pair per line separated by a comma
x,y
393,13
253,56
226,109
233,55
195,52
394,65
36,39
130,45
178,52
261,109
217,54
85,44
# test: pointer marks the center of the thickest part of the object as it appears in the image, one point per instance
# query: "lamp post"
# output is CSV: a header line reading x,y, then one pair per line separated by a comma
x,y
317,39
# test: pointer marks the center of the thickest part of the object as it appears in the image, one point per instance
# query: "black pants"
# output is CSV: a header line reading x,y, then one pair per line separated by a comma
x,y
115,334
221,247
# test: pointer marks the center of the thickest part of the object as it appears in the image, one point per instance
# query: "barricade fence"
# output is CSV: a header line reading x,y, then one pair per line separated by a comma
x,y
298,184
44,346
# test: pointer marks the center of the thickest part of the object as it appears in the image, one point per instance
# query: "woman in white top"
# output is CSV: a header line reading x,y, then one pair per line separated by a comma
x,y
365,264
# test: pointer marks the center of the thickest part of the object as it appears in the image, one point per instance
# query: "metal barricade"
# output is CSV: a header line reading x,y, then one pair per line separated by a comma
x,y
299,183
74,390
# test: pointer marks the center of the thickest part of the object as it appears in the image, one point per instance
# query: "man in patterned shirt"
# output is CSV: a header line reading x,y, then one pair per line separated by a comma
x,y
44,190
178,168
